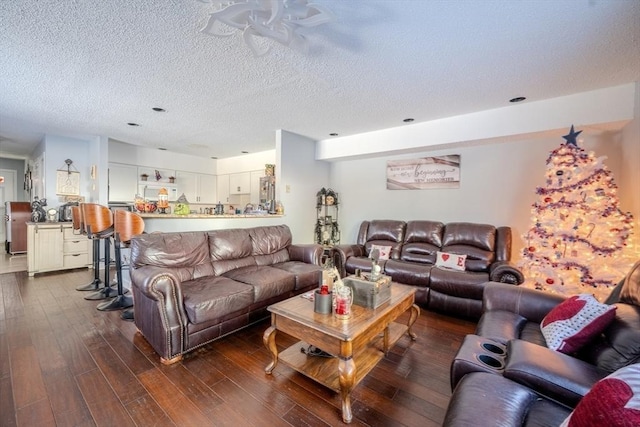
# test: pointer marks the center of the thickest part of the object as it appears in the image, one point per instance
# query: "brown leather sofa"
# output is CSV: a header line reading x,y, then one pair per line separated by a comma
x,y
194,287
414,245
527,368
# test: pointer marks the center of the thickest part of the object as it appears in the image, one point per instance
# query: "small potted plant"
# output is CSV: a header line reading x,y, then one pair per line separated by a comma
x,y
172,179
144,176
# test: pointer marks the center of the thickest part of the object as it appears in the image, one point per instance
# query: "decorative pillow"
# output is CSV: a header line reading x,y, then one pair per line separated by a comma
x,y
383,251
614,401
575,321
452,261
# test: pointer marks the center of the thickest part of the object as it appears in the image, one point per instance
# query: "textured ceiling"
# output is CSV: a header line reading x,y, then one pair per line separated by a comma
x,y
88,67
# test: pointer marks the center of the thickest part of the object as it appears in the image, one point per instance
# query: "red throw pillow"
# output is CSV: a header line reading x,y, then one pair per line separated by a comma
x,y
613,402
575,321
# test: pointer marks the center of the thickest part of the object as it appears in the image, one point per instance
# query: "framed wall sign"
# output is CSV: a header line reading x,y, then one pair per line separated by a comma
x,y
67,183
424,173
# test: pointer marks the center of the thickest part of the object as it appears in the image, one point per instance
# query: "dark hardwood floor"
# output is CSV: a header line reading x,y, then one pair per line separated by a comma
x,y
64,363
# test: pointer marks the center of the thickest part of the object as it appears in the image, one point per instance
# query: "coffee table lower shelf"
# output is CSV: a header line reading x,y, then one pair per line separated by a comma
x,y
325,369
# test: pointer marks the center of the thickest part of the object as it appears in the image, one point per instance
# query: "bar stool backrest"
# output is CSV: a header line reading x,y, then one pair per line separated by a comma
x,y
127,224
97,218
77,220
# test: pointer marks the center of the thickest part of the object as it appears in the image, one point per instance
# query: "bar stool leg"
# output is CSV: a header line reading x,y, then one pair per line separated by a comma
x,y
107,291
95,284
121,301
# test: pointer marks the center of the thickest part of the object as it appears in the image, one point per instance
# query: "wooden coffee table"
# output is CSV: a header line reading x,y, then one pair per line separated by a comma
x,y
358,343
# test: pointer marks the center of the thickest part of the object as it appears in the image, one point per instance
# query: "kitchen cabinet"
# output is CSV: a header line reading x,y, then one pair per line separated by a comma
x,y
123,182
255,186
55,246
197,187
222,186
240,183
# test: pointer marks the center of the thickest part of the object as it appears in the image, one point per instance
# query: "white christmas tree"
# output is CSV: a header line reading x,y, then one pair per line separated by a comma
x,y
579,238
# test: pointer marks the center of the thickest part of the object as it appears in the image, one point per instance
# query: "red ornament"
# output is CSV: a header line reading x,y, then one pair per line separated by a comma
x,y
532,249
549,281
548,199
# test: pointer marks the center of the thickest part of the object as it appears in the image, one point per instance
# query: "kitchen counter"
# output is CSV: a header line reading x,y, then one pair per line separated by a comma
x,y
198,222
206,216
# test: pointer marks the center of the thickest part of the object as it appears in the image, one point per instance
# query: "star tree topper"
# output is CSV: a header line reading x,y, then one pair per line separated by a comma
x,y
571,137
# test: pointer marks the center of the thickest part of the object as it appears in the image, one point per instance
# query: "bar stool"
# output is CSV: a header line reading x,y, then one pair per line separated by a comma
x,y
77,219
126,225
98,222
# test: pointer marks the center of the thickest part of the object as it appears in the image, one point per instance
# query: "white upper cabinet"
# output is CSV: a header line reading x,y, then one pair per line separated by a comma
x,y
223,188
197,187
240,183
123,182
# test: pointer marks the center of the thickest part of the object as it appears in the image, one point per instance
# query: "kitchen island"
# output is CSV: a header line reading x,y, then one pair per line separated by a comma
x,y
198,222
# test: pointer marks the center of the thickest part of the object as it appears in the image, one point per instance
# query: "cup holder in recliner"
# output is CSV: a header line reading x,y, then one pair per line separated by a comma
x,y
490,361
493,348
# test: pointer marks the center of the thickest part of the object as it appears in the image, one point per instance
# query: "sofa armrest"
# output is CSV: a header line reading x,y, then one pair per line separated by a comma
x,y
340,253
559,376
505,272
529,303
309,253
161,285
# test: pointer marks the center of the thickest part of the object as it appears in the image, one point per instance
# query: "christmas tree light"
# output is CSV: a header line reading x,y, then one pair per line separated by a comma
x,y
579,238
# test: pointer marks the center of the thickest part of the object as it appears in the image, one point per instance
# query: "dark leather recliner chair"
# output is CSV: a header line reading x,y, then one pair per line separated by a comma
x,y
512,319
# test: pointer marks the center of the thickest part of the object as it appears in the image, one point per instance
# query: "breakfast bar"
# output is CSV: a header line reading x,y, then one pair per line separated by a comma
x,y
197,222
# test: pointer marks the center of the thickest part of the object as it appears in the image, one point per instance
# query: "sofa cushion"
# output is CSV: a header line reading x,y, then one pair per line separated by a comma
x,y
575,321
187,254
269,240
619,344
614,401
267,281
421,242
306,274
212,297
465,284
476,241
230,244
409,273
361,263
484,399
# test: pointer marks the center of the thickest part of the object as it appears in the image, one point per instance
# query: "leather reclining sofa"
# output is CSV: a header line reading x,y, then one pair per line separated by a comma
x,y
412,258
536,385
194,287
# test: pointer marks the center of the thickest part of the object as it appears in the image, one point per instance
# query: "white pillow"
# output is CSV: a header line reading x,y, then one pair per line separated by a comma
x,y
383,251
452,261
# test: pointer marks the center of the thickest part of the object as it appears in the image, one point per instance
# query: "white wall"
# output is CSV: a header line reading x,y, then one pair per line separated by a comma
x,y
58,149
498,183
630,168
298,178
119,152
610,107
246,162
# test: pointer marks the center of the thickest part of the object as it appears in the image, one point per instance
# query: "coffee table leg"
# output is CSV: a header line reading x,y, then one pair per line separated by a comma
x,y
347,372
415,312
269,340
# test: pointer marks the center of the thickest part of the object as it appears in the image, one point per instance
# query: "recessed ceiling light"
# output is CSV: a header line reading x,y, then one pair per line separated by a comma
x,y
517,99
159,110
133,124
244,152
409,120
214,158
333,134
162,149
